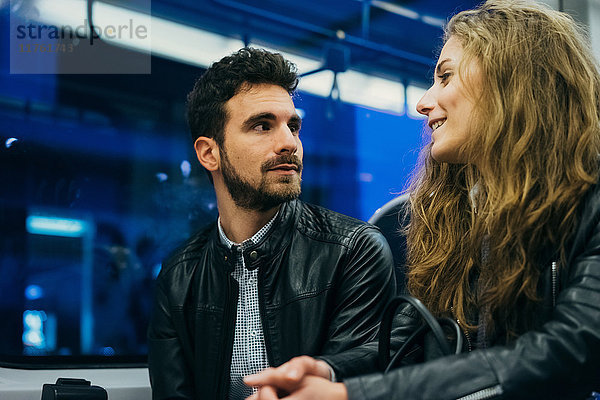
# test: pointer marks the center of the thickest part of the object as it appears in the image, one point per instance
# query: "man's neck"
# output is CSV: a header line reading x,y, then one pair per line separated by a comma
x,y
240,224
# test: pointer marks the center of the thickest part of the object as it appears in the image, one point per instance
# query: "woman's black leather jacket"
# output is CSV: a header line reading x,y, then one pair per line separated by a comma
x,y
559,358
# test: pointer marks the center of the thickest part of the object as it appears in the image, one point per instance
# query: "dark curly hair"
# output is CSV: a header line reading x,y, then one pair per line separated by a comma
x,y
224,79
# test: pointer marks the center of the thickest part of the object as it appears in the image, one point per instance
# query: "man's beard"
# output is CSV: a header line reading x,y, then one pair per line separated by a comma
x,y
263,197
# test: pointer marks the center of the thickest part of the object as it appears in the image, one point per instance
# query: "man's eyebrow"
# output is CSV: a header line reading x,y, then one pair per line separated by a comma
x,y
438,68
296,120
253,119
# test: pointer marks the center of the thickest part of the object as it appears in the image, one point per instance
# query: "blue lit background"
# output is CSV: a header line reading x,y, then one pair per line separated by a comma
x,y
100,182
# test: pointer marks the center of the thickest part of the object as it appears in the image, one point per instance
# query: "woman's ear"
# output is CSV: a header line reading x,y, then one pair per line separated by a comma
x,y
207,152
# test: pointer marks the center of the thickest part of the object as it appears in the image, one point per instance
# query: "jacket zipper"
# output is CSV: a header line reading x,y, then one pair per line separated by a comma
x,y
228,334
263,317
467,335
554,282
488,393
494,391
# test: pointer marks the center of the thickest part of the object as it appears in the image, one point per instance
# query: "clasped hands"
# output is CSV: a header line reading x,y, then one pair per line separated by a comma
x,y
300,378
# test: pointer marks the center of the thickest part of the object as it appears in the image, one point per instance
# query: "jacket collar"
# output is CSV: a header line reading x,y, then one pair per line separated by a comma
x,y
272,243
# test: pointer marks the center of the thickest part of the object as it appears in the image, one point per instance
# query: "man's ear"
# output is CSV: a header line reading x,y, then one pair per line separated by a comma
x,y
207,151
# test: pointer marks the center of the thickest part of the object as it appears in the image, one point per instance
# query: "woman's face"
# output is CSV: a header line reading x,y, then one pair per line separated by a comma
x,y
448,105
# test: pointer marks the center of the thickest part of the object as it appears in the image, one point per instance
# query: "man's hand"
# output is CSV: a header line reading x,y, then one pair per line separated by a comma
x,y
288,377
309,388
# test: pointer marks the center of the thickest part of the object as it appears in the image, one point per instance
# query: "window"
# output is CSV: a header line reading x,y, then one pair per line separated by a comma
x,y
100,182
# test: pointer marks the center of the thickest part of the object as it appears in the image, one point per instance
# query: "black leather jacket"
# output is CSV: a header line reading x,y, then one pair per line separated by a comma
x,y
559,358
324,280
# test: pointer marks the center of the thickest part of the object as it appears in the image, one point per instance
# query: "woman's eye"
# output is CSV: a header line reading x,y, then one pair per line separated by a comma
x,y
444,77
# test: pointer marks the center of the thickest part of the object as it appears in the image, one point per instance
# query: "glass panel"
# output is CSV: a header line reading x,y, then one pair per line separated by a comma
x,y
99,183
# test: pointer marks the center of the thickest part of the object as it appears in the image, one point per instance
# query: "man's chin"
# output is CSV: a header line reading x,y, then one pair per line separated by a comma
x,y
281,196
285,189
293,178
268,196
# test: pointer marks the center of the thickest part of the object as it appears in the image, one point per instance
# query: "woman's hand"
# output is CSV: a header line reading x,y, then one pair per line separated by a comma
x,y
289,375
309,388
301,376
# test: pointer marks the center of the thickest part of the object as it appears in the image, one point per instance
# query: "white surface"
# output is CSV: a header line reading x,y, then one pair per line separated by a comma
x,y
120,383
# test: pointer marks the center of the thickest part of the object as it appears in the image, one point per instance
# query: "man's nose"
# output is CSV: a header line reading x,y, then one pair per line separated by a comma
x,y
287,141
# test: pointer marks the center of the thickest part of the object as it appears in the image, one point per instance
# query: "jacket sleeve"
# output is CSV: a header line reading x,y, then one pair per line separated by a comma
x,y
366,285
170,375
560,360
364,359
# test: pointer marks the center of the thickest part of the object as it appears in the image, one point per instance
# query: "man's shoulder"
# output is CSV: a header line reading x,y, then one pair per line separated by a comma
x,y
325,224
189,250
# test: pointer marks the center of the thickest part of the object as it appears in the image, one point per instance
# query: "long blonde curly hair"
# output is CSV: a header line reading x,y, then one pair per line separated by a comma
x,y
536,141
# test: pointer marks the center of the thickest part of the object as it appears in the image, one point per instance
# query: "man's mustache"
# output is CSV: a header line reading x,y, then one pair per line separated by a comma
x,y
283,159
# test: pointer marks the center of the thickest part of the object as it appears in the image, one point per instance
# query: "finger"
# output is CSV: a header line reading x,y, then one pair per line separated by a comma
x,y
298,367
322,369
314,388
262,378
286,376
267,393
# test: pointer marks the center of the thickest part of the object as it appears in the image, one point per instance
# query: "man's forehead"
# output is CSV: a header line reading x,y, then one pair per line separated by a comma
x,y
261,98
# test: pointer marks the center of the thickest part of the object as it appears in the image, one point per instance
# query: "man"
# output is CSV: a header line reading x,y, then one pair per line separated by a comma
x,y
273,277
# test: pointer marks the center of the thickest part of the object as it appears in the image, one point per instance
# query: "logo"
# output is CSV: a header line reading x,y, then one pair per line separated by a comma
x,y
56,37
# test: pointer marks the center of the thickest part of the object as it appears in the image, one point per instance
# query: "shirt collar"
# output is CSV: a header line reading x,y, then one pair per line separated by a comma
x,y
254,239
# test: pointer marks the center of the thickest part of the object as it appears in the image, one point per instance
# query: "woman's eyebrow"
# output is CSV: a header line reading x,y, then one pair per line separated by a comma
x,y
438,68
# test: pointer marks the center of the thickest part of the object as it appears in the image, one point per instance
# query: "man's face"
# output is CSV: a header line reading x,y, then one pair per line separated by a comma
x,y
261,158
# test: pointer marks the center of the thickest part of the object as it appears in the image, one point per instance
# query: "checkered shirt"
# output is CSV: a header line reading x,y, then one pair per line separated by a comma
x,y
249,351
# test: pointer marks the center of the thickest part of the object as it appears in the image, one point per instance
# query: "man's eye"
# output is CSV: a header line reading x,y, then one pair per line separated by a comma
x,y
294,128
263,126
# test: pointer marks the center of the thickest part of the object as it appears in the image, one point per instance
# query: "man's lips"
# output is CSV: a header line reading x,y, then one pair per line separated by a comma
x,y
287,164
284,167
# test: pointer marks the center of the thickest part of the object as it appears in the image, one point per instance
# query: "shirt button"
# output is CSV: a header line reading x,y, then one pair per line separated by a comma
x,y
253,333
226,258
253,255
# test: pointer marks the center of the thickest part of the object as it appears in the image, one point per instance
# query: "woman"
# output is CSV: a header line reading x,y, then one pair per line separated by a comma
x,y
504,232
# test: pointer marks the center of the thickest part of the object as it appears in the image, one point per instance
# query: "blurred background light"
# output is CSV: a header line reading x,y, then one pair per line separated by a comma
x,y
9,142
186,168
34,292
199,47
413,95
55,226
156,270
107,351
33,329
162,177
371,91
72,13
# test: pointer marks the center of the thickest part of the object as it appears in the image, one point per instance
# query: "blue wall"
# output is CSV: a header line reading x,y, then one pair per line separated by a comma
x,y
387,148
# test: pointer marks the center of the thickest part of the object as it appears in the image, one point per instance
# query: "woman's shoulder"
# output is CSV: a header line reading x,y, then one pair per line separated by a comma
x,y
587,232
